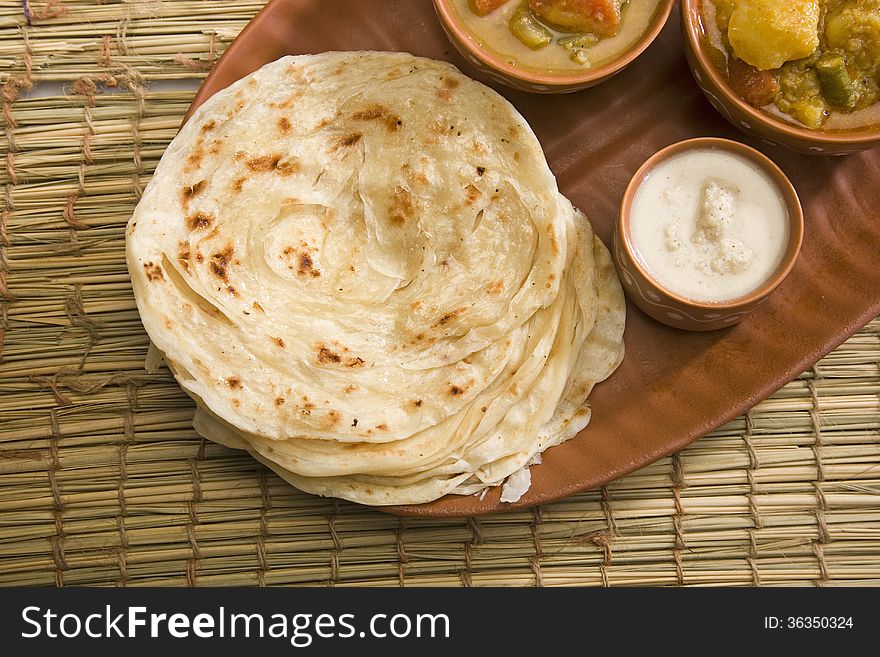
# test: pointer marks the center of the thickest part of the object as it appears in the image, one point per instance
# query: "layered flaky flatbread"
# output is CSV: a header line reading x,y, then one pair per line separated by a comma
x,y
359,265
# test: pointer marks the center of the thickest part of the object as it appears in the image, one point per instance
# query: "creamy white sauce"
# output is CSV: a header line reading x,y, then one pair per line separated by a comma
x,y
709,225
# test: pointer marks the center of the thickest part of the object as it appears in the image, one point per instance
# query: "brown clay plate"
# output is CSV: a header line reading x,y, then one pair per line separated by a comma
x,y
673,386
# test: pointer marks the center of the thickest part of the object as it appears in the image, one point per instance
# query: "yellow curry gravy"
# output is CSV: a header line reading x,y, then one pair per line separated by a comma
x,y
492,33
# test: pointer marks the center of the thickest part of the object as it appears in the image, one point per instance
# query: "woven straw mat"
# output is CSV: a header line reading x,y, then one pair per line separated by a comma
x,y
104,482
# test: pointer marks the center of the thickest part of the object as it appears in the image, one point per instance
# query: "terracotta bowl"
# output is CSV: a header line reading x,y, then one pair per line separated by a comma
x,y
496,67
680,312
751,120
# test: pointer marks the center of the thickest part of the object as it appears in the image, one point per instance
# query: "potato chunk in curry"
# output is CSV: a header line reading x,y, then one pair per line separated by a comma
x,y
768,33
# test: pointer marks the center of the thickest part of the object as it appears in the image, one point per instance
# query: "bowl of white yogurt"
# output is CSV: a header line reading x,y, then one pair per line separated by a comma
x,y
708,228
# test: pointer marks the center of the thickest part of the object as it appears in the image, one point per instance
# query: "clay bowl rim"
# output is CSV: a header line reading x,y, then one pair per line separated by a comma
x,y
692,27
448,17
786,188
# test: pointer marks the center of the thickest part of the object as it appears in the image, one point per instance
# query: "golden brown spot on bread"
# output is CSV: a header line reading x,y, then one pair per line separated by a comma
x,y
238,183
472,193
450,83
349,389
199,257
415,403
233,382
382,427
380,113
220,264
288,102
210,125
443,94
348,140
554,244
327,356
194,159
306,266
279,401
272,164
445,318
495,287
183,254
284,125
279,342
402,206
370,113
332,419
199,221
190,191
168,323
415,177
153,272
256,305
455,391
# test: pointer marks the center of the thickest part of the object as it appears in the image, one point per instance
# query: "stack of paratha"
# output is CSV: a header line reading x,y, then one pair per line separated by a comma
x,y
360,267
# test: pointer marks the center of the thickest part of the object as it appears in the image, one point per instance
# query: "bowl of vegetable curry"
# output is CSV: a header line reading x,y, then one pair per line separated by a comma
x,y
552,46
801,73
